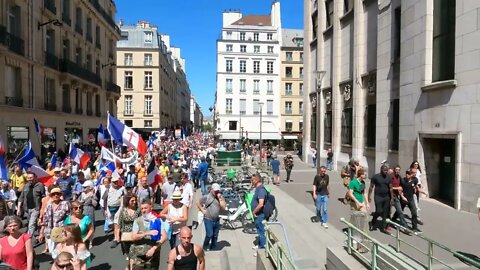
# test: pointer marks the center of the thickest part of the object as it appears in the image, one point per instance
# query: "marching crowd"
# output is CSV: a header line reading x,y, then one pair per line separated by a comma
x,y
145,204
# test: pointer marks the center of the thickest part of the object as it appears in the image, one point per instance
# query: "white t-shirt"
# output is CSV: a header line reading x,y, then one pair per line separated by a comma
x,y
478,203
187,194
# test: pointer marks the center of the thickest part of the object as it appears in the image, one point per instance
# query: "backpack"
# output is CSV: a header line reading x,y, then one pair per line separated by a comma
x,y
269,205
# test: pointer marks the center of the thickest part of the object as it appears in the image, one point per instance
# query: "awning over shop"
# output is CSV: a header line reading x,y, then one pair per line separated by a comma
x,y
290,137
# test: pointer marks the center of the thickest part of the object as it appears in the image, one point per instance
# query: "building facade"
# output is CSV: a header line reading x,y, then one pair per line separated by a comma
x,y
248,66
291,87
196,115
151,77
400,86
57,66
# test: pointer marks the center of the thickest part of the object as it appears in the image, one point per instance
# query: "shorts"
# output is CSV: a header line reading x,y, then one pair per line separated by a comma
x,y
276,173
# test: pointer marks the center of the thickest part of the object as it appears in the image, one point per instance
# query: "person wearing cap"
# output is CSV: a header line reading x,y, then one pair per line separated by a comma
x,y
288,166
167,191
176,214
203,175
112,204
89,201
30,201
55,214
211,205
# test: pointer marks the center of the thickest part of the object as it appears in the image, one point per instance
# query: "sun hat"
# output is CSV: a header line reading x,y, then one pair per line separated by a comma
x,y
57,169
88,183
115,179
56,190
177,195
216,187
57,235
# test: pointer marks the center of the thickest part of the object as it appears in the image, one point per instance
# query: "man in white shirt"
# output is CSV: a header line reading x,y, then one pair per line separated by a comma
x,y
187,194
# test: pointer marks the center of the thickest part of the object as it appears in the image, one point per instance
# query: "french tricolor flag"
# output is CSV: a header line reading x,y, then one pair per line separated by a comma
x,y
80,157
3,164
124,135
30,162
102,136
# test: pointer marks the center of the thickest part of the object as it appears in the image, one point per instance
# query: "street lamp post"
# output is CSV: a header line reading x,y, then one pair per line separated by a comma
x,y
318,83
261,122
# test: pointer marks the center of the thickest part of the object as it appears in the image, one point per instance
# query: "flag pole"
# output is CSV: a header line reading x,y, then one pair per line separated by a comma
x,y
19,153
111,137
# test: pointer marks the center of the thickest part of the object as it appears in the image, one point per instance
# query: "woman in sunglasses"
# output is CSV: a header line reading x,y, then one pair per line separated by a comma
x,y
70,241
66,261
83,221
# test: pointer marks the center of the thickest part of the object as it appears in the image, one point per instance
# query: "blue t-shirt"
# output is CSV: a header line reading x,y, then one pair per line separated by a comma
x,y
260,193
275,165
203,170
66,185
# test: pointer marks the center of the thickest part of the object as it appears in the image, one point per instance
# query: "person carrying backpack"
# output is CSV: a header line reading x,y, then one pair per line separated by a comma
x,y
263,204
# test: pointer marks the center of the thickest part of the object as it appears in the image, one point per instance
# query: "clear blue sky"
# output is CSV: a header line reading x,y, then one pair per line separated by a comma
x,y
195,25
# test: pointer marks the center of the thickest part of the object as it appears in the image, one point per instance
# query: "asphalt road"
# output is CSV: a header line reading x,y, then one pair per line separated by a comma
x,y
455,229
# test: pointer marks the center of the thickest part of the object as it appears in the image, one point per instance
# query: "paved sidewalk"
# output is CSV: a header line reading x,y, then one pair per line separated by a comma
x,y
455,229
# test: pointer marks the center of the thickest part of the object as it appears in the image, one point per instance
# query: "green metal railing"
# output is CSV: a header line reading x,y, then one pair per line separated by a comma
x,y
274,249
431,244
362,249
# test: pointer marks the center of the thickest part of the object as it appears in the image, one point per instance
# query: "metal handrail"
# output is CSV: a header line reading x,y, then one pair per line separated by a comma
x,y
376,246
275,250
431,244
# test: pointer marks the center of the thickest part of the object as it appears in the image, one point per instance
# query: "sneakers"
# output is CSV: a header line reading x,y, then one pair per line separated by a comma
x,y
114,244
325,225
255,247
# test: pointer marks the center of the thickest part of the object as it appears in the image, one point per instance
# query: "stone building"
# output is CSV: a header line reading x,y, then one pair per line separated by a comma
x,y
291,86
57,66
248,78
152,78
401,84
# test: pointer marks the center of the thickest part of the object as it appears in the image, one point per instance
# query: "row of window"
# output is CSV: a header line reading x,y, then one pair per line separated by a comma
x,y
243,48
289,90
147,105
232,125
289,56
289,72
147,59
243,87
243,66
147,80
255,36
257,106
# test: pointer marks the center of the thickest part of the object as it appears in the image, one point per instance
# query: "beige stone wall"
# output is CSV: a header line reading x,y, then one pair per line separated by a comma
x,y
296,116
34,67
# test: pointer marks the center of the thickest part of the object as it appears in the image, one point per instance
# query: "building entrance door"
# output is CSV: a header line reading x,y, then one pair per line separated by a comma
x,y
446,169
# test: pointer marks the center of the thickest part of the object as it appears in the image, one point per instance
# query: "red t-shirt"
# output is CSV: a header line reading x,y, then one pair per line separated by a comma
x,y
15,256
395,183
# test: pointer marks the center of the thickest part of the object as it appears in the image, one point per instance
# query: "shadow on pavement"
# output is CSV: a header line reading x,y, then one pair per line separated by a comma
x,y
97,241
103,266
222,244
43,258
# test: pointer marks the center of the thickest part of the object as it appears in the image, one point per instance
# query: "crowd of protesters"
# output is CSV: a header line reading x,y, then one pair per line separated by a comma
x,y
141,211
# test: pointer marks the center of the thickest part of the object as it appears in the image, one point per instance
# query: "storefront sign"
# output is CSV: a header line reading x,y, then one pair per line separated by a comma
x,y
76,124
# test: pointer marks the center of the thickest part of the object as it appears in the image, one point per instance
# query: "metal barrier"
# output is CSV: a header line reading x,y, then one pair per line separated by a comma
x,y
431,244
362,249
275,250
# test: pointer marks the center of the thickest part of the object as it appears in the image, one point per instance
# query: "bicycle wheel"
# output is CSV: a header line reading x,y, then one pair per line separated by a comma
x,y
248,226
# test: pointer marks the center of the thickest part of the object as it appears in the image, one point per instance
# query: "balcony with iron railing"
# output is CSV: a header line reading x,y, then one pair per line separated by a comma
x,y
288,111
14,101
51,60
76,70
79,29
288,92
228,111
66,19
105,15
128,113
112,87
13,42
50,5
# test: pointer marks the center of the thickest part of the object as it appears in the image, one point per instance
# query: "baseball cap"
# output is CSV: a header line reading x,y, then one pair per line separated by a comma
x,y
109,172
88,183
115,179
215,187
